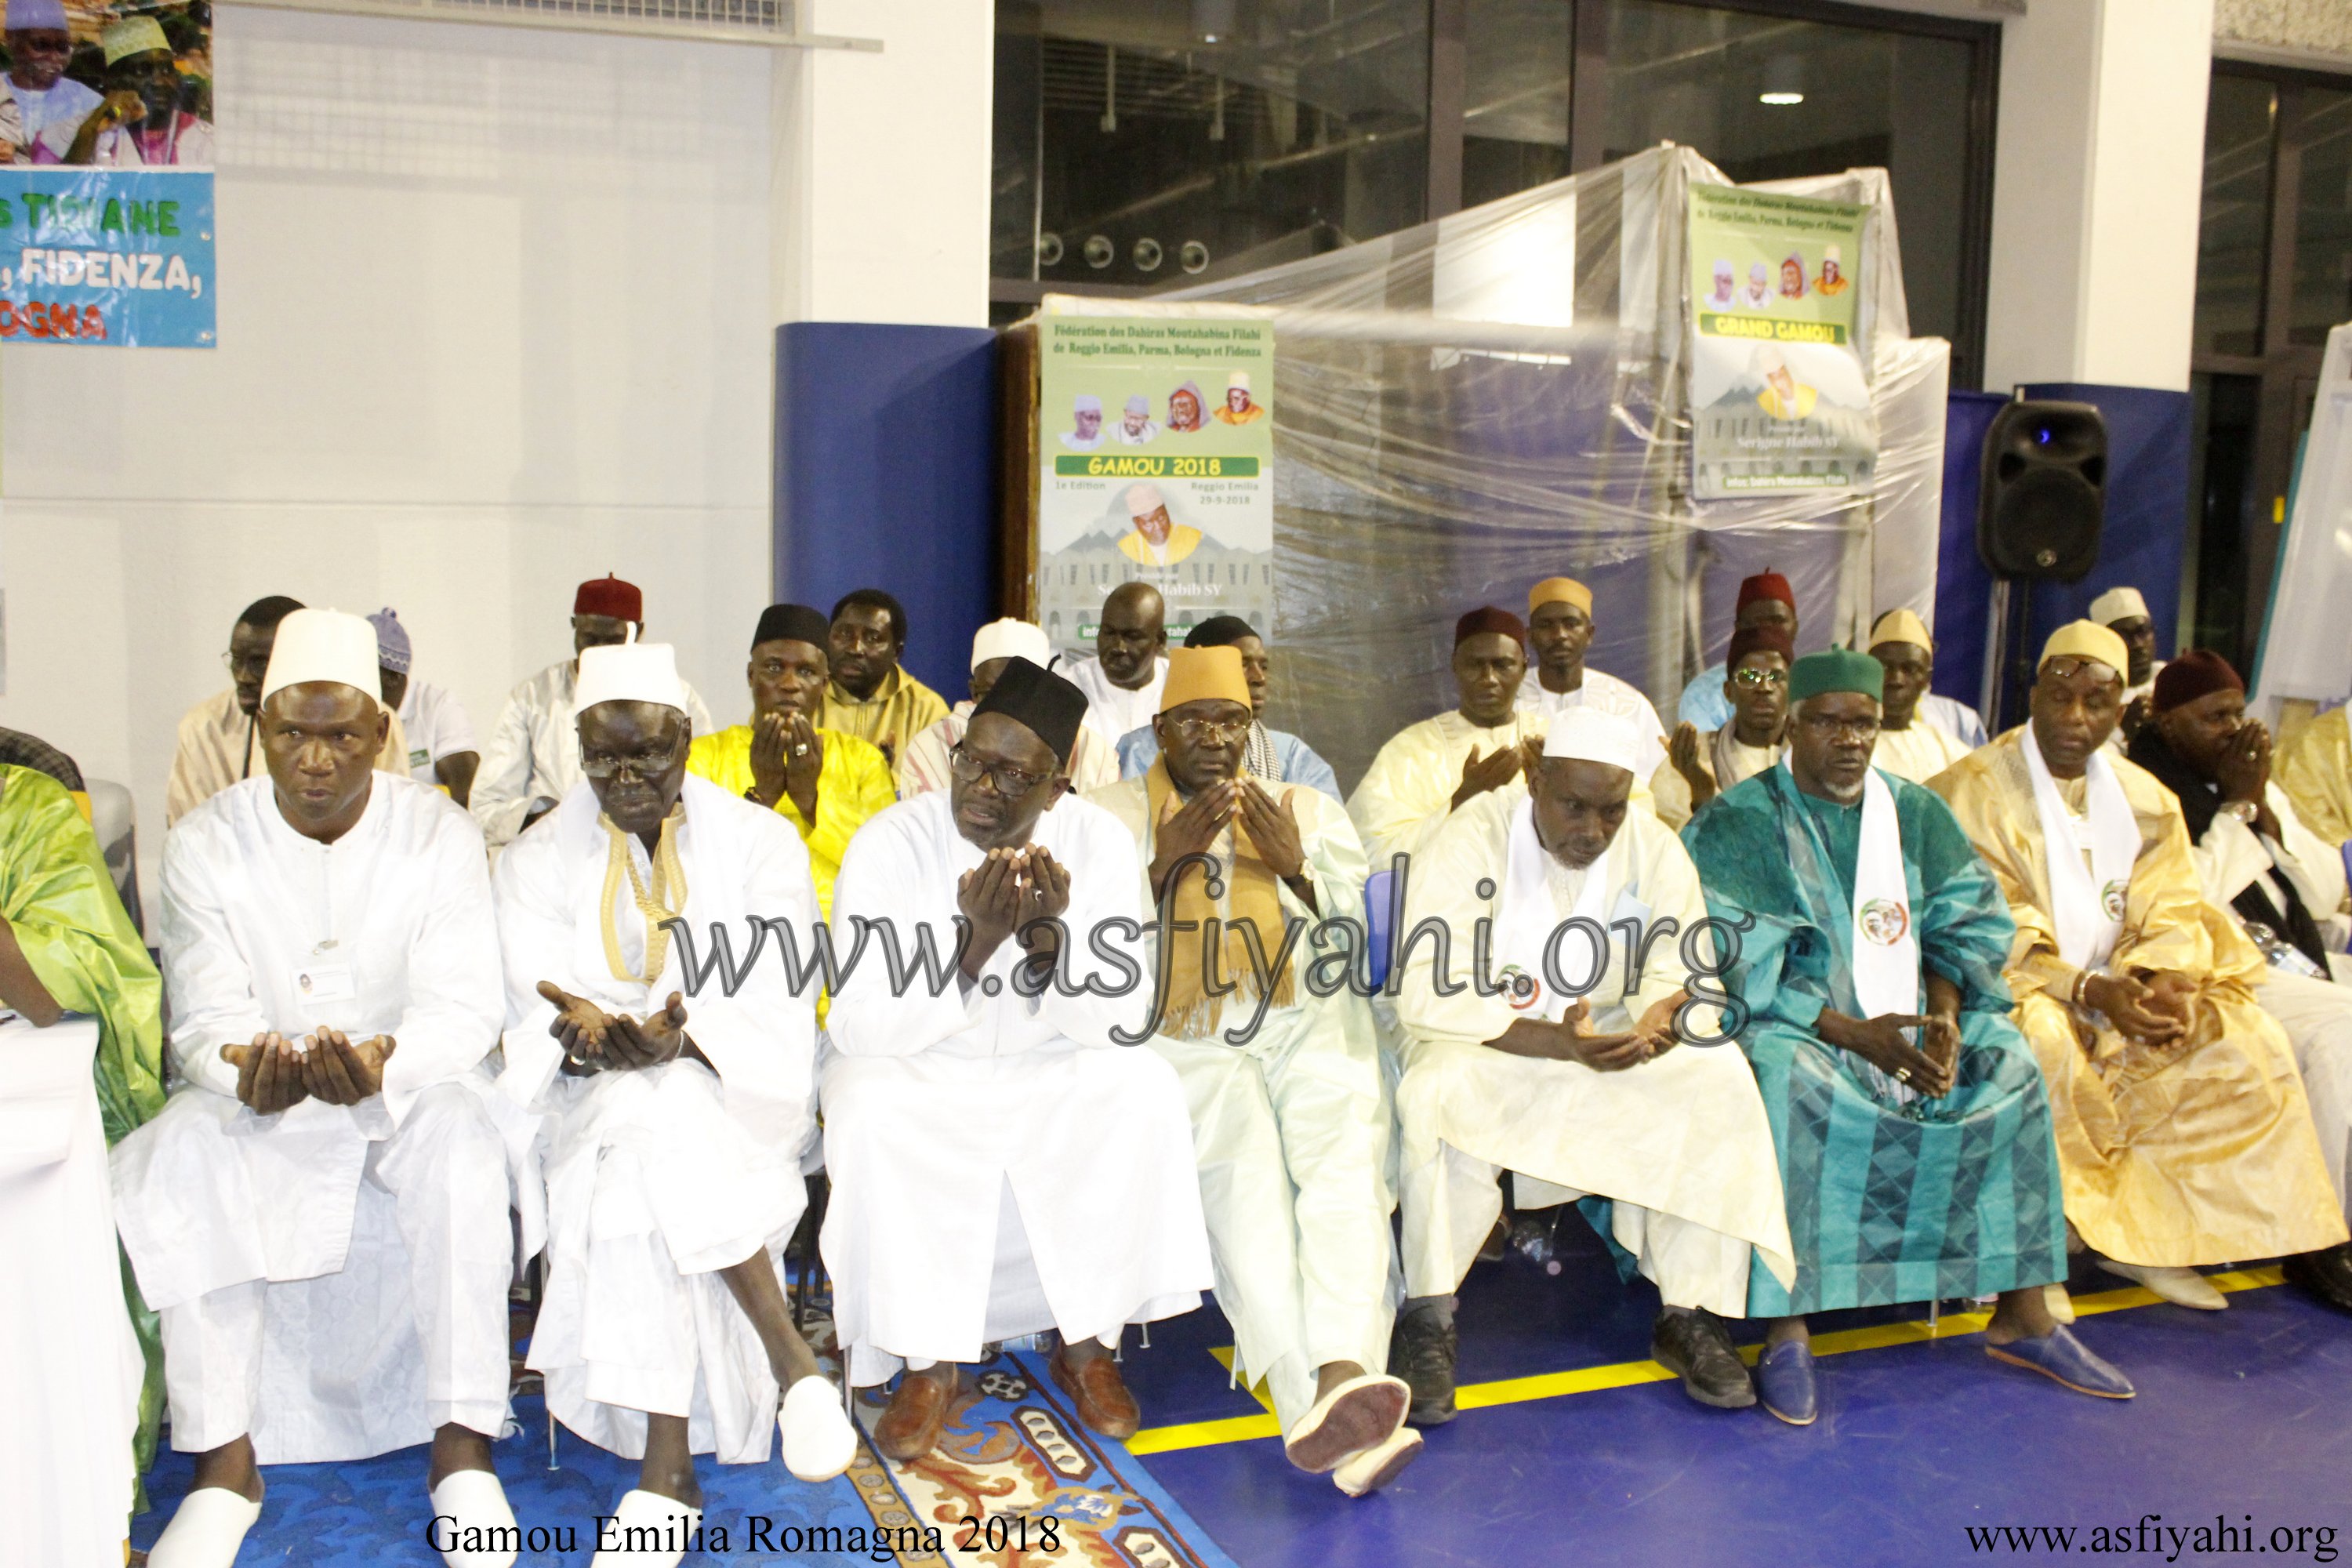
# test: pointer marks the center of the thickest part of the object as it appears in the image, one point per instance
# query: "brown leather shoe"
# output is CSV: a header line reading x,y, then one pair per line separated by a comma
x,y
919,1412
1100,1393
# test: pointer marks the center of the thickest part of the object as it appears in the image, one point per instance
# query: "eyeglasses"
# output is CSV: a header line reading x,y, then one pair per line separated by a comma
x,y
253,664
1210,732
1830,726
1755,679
644,763
1010,783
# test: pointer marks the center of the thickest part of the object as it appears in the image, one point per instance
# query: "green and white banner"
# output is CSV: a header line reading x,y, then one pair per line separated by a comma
x,y
1779,390
1155,459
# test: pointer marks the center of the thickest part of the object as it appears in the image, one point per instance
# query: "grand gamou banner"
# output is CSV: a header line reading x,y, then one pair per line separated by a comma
x,y
106,176
1779,390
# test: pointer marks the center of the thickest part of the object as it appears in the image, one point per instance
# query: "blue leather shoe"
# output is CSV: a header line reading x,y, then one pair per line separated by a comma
x,y
2059,1356
1784,1383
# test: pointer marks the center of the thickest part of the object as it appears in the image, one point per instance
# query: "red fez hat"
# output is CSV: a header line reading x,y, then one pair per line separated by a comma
x,y
2199,672
1487,619
1764,585
608,596
1758,639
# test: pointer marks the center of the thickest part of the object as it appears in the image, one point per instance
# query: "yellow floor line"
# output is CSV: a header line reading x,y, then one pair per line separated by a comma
x,y
1627,1374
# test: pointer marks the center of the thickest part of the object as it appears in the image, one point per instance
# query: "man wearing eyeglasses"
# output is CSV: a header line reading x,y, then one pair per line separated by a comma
x,y
533,758
220,739
1290,1126
1914,1131
680,1109
1705,763
824,783
1001,1164
2184,1133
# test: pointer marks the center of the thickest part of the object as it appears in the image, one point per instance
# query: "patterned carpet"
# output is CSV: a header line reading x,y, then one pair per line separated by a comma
x,y
1016,1483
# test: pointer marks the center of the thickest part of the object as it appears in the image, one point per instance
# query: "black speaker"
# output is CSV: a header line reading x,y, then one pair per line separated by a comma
x,y
2043,492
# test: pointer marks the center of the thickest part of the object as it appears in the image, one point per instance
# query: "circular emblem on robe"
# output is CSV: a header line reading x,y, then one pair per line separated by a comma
x,y
2111,899
1883,921
1520,989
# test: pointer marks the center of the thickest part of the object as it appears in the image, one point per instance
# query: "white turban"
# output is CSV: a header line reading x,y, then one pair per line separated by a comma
x,y
1590,735
1011,639
323,645
2118,604
629,672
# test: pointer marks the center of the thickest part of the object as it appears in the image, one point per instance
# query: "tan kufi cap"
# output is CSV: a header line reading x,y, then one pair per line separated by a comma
x,y
2086,640
1203,674
1559,591
1901,626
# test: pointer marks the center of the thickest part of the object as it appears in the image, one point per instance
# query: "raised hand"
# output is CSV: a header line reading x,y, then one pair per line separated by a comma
x,y
771,758
579,1027
1274,829
269,1073
1480,774
1192,829
342,1071
988,896
660,1039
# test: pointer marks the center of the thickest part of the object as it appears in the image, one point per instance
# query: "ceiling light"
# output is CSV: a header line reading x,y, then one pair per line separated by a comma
x,y
1784,81
1780,100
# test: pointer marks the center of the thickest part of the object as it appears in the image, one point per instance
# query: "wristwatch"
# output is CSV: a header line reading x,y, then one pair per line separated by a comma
x,y
2245,811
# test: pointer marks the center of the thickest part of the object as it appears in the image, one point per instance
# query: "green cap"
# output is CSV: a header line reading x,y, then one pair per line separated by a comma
x,y
1836,669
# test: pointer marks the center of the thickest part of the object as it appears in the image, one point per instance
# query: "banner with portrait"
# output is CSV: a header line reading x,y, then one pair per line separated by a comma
x,y
106,175
1780,392
1155,458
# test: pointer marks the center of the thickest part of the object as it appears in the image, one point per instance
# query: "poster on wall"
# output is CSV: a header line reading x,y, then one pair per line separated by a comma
x,y
1155,459
1779,394
106,175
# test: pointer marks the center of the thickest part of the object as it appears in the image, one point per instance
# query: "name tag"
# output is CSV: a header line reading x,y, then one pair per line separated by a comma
x,y
316,983
419,757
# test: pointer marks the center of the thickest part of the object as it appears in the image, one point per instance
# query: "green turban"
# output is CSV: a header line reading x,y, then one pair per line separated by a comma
x,y
1836,669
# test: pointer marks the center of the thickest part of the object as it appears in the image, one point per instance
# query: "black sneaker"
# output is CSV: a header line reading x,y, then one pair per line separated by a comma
x,y
1692,1344
1422,1353
2326,1275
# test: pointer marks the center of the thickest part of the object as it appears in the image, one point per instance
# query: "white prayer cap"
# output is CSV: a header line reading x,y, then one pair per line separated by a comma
x,y
1590,735
29,15
2118,604
1011,639
1142,501
629,672
323,645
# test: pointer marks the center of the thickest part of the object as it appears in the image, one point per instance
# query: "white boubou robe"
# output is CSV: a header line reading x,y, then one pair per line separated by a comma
x,y
1405,796
1680,1143
331,1279
1000,1165
2316,1012
1291,1134
657,1178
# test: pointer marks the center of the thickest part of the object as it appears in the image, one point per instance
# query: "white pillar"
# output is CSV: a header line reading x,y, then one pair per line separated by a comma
x,y
882,165
2099,170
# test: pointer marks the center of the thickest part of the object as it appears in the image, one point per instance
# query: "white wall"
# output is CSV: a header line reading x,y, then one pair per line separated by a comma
x,y
2099,173
883,167
494,317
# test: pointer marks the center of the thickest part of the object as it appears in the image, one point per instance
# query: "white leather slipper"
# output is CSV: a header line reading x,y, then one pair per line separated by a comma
x,y
818,1440
1376,1466
649,1531
2181,1287
1361,1413
471,1510
207,1530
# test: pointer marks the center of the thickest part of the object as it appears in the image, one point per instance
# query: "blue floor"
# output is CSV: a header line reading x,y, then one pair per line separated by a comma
x,y
2246,1412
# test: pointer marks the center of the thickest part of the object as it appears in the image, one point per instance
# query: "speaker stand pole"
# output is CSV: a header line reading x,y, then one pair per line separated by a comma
x,y
1996,652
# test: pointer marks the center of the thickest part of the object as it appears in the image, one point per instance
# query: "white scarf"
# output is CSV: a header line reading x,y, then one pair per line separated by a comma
x,y
1529,916
2086,902
1885,939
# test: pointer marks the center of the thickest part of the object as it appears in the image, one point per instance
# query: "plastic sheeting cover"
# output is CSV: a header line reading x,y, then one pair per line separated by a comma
x,y
1464,408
